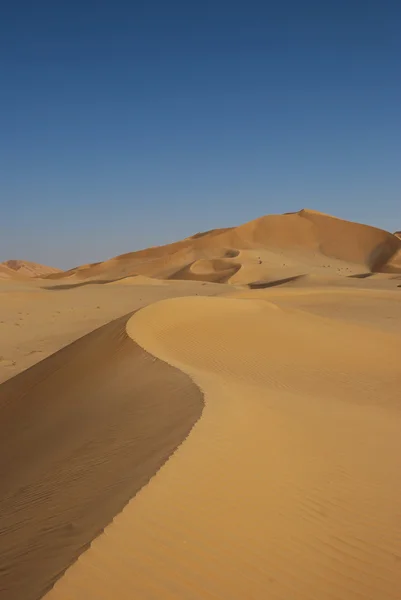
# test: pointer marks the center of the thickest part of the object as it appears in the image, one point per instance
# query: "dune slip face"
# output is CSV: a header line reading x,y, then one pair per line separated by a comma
x,y
82,432
287,487
268,248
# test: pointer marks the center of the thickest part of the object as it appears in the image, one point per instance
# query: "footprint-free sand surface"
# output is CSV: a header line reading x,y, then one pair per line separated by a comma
x,y
214,419
73,454
288,485
36,321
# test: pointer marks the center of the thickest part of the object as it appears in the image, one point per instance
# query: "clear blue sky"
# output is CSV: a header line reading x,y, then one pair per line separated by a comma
x,y
126,124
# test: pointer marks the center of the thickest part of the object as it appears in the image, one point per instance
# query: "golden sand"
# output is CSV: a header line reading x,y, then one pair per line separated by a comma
x,y
287,487
234,438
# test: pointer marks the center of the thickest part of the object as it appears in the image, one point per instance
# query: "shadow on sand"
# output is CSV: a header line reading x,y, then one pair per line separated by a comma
x,y
360,275
70,286
260,285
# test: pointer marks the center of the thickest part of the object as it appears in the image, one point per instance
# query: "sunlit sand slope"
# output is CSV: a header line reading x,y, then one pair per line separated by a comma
x,y
299,243
288,486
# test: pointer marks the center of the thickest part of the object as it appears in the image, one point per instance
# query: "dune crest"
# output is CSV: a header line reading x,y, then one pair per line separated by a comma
x,y
99,417
287,487
241,441
301,242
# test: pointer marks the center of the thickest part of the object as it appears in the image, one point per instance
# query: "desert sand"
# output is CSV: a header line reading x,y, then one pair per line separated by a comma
x,y
264,249
217,418
25,268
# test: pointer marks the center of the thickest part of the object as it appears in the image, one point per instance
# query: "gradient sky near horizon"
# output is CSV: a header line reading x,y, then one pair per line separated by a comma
x,y
127,124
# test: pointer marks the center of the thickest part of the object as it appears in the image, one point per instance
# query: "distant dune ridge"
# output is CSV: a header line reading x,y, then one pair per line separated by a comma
x,y
6,272
25,268
302,242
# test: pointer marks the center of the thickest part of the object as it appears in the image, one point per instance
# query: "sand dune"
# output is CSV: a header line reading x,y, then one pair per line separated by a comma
x,y
306,241
99,418
217,270
6,272
36,321
25,268
287,487
393,265
238,446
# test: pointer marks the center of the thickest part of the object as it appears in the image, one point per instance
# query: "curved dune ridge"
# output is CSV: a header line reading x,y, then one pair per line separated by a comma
x,y
305,241
217,270
82,432
287,487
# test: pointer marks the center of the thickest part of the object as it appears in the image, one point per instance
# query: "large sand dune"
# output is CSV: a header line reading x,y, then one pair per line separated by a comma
x,y
288,485
242,446
301,242
81,432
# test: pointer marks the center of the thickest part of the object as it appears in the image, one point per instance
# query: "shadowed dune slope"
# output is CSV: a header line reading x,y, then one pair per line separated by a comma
x,y
287,487
82,432
306,232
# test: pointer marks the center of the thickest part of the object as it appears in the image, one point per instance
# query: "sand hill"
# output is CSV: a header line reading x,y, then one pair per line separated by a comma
x,y
6,272
293,244
25,268
166,435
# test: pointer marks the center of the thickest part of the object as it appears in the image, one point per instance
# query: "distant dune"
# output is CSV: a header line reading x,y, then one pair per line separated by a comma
x,y
25,268
6,272
302,242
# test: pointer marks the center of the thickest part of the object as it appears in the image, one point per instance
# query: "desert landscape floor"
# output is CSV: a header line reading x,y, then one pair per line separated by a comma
x,y
239,446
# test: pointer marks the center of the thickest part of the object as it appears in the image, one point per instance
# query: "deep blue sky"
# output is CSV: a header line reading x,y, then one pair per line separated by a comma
x,y
126,124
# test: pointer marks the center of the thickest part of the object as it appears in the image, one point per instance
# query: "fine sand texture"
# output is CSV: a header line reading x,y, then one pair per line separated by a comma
x,y
36,320
82,432
288,485
218,418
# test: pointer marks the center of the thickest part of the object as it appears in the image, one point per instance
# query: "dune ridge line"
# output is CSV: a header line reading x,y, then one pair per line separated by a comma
x,y
288,485
83,432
